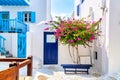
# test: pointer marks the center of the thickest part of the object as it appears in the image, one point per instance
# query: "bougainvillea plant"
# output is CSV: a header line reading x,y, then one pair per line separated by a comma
x,y
74,32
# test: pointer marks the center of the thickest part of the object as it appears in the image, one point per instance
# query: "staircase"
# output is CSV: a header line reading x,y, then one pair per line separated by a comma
x,y
2,48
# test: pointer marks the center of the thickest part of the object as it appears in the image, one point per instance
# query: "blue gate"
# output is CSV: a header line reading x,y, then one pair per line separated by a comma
x,y
50,48
21,45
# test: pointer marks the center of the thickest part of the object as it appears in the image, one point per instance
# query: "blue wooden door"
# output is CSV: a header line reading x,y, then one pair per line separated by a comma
x,y
21,45
50,48
4,21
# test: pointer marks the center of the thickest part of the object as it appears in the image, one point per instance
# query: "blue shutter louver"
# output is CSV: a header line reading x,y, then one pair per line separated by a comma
x,y
20,16
33,17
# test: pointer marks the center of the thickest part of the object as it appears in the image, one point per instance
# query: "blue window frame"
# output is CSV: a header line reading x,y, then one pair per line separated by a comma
x,y
83,1
27,16
78,10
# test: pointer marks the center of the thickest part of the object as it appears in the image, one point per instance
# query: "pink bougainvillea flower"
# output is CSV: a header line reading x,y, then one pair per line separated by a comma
x,y
46,29
58,30
93,22
75,32
92,38
74,29
62,26
69,26
87,27
86,22
50,21
61,34
100,19
69,21
70,41
79,39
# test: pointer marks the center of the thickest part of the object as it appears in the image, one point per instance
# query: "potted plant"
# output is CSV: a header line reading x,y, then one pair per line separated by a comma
x,y
74,32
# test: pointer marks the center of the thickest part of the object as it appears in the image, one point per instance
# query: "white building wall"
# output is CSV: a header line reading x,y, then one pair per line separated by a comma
x,y
64,56
29,44
48,10
14,45
114,39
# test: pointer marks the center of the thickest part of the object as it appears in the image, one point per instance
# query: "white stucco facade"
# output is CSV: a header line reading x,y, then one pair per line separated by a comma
x,y
107,44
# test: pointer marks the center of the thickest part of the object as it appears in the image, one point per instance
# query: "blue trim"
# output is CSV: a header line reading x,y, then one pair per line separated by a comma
x,y
33,17
14,2
21,45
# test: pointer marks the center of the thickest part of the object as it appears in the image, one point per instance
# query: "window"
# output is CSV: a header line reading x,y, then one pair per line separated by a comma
x,y
95,55
5,16
27,16
78,10
83,1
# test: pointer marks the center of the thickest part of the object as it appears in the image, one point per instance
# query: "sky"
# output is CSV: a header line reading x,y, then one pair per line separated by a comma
x,y
62,7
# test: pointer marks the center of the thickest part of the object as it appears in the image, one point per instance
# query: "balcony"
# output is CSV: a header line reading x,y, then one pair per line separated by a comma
x,y
14,2
13,25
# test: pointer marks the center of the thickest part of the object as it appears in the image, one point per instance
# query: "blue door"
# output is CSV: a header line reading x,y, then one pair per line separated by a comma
x,y
50,48
4,21
21,45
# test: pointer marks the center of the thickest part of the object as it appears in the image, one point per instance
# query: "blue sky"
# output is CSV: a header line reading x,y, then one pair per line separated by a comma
x,y
62,7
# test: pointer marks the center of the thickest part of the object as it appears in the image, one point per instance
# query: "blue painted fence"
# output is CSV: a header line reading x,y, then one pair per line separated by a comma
x,y
13,25
2,48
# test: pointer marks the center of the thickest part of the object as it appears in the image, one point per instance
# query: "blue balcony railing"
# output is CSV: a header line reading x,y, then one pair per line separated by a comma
x,y
2,47
13,25
14,2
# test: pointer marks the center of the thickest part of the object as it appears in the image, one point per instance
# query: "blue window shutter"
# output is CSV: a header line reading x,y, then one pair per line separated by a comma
x,y
20,16
78,9
33,17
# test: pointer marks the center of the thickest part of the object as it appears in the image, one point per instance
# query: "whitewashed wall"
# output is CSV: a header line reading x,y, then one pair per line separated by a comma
x,y
114,39
64,57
